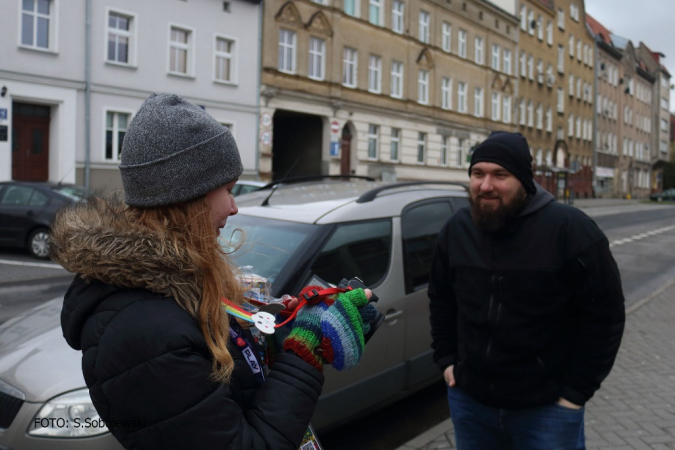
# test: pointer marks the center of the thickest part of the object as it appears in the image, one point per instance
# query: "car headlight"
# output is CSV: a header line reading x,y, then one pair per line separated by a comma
x,y
70,415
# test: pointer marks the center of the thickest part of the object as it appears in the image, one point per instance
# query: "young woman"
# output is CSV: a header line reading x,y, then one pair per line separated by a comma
x,y
163,360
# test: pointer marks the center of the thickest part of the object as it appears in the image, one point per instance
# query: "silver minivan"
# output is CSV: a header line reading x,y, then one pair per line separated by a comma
x,y
383,233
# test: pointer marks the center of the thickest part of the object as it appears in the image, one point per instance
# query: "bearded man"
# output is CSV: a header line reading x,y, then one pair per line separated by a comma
x,y
527,309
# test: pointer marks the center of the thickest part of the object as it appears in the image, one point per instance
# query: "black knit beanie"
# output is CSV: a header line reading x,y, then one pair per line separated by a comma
x,y
509,150
173,152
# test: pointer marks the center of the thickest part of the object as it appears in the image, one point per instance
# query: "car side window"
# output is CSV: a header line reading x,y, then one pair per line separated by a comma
x,y
17,196
38,199
361,249
459,202
420,225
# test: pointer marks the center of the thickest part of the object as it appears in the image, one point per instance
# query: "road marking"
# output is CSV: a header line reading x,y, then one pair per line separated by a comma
x,y
29,264
637,237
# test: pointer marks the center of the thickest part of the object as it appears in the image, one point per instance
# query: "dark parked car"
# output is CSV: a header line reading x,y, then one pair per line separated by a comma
x,y
27,210
668,195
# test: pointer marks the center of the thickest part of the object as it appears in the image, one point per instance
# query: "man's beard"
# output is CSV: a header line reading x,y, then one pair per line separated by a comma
x,y
493,220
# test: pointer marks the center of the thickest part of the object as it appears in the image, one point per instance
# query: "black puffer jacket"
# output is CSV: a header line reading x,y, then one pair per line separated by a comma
x,y
145,360
528,315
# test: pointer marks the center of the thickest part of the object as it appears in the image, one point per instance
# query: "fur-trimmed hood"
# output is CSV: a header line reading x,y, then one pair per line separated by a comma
x,y
97,240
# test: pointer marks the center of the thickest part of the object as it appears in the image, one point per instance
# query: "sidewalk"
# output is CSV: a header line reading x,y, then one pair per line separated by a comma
x,y
635,407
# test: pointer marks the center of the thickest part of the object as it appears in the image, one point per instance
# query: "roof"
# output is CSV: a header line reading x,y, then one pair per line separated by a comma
x,y
323,202
598,29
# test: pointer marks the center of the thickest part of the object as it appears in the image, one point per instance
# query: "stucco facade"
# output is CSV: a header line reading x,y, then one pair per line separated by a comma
x,y
205,51
400,91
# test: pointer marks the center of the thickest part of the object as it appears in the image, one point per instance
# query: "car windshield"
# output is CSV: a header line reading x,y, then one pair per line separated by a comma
x,y
74,192
263,246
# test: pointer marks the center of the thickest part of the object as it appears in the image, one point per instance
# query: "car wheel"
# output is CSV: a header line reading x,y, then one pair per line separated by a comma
x,y
38,243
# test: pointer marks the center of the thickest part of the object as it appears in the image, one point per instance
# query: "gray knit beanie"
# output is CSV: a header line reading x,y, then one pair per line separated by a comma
x,y
174,152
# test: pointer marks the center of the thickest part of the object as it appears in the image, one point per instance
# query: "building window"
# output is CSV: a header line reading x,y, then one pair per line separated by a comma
x,y
421,147
115,128
461,97
570,82
521,112
549,120
352,7
373,141
397,9
561,59
530,67
375,74
530,21
317,58
36,23
479,59
287,43
349,67
578,127
549,32
561,100
530,114
180,46
571,46
119,37
461,147
224,60
446,40
462,44
523,64
375,12
561,19
478,102
664,125
446,93
423,87
495,57
444,150
496,106
396,79
664,103
506,113
424,27
395,144
579,50
523,18
540,28
507,61
578,88
540,116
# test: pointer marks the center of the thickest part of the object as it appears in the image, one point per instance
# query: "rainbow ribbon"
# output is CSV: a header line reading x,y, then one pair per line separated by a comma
x,y
236,311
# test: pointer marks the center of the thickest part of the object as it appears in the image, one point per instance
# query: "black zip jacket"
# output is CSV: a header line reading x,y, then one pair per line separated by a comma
x,y
528,315
147,367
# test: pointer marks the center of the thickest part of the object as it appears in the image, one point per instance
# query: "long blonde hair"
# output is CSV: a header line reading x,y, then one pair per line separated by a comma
x,y
189,225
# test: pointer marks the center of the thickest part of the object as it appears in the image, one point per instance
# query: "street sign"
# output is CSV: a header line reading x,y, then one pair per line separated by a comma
x,y
334,149
3,113
266,137
335,127
265,119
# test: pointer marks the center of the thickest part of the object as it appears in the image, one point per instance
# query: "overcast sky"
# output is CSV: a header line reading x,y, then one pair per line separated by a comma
x,y
649,21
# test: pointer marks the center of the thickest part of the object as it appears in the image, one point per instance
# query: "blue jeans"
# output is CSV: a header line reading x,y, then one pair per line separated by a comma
x,y
479,427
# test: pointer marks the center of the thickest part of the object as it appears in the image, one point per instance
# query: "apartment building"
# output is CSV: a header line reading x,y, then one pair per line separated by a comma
x,y
624,116
396,90
69,91
555,105
660,112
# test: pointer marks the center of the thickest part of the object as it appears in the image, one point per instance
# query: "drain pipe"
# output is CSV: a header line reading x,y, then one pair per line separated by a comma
x,y
87,96
596,64
257,96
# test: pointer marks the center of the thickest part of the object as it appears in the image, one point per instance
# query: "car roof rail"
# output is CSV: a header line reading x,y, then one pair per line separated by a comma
x,y
300,179
371,194
275,184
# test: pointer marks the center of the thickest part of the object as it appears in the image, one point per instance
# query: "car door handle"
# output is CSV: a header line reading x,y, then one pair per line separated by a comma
x,y
392,314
